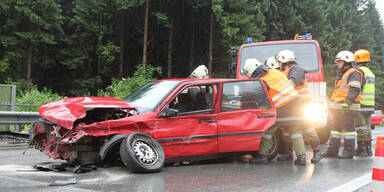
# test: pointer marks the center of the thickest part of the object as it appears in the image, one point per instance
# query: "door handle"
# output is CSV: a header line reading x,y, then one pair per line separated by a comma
x,y
266,115
207,120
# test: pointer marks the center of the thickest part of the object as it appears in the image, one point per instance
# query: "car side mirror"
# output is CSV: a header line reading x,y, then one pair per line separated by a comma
x,y
169,112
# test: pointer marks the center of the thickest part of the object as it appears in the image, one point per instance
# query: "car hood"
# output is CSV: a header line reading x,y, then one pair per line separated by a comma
x,y
65,112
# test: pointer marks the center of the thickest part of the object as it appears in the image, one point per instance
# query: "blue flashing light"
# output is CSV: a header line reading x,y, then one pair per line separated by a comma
x,y
308,36
249,40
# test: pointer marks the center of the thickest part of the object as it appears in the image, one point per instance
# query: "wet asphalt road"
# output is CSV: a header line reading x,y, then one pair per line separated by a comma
x,y
17,174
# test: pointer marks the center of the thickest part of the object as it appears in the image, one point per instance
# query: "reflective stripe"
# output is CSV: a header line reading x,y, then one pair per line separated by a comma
x,y
336,136
294,93
377,185
335,133
378,162
353,106
349,137
286,90
362,128
296,136
285,134
367,109
354,84
365,93
349,133
366,99
267,136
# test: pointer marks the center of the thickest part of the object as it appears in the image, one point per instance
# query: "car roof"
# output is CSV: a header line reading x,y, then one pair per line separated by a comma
x,y
210,80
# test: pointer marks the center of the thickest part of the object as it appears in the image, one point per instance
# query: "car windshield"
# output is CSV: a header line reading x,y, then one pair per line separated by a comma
x,y
149,96
305,53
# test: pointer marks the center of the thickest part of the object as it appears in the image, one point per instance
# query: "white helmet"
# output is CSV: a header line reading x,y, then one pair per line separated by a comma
x,y
285,56
346,56
200,72
272,63
250,66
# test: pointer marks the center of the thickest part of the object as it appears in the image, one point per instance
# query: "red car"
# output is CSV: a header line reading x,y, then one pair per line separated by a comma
x,y
376,118
163,121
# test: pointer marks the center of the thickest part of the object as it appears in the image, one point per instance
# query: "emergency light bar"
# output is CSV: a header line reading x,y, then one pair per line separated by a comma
x,y
307,36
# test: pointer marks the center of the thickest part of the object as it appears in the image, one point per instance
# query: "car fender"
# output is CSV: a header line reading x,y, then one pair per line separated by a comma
x,y
109,144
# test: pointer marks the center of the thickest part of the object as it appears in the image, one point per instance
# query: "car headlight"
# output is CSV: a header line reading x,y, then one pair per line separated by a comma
x,y
315,112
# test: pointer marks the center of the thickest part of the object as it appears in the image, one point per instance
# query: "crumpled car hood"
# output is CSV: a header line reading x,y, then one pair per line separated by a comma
x,y
65,112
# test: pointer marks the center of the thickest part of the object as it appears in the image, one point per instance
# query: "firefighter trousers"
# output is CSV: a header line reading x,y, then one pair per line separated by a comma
x,y
343,126
309,135
363,127
296,139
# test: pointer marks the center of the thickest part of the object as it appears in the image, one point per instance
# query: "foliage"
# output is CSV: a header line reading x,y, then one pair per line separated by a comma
x,y
77,47
35,98
123,87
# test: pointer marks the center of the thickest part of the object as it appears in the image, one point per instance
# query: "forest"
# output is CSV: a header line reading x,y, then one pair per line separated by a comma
x,y
79,47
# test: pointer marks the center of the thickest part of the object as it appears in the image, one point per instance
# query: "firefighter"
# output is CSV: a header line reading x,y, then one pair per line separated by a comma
x,y
201,72
271,63
344,106
296,76
286,99
367,104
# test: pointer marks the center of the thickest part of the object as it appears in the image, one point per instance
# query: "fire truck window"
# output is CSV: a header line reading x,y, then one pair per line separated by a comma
x,y
244,95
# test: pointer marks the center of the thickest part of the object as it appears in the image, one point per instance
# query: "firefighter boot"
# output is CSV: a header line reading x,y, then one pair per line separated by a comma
x,y
360,148
316,154
369,149
260,159
333,149
349,149
300,160
287,152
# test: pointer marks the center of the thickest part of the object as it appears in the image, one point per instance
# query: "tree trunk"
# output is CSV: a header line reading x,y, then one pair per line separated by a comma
x,y
121,65
144,60
192,48
29,66
170,40
210,45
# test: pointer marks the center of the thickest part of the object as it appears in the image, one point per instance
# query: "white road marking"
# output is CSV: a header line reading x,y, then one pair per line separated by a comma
x,y
354,184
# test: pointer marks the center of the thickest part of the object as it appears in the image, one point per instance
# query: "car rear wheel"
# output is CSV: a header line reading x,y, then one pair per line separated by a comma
x,y
274,150
142,154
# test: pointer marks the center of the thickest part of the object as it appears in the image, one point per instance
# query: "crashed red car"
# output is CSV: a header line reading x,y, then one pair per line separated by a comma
x,y
376,118
164,121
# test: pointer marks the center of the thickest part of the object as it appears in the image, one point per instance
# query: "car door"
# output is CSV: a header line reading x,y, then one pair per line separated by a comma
x,y
245,114
192,129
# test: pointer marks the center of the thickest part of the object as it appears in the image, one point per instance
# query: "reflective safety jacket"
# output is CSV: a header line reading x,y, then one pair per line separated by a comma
x,y
367,100
281,90
303,90
340,92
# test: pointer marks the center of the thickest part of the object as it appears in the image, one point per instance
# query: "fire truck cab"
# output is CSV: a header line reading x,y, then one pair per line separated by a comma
x,y
311,58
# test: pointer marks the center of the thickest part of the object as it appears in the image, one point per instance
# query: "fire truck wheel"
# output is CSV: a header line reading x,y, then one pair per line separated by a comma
x,y
142,154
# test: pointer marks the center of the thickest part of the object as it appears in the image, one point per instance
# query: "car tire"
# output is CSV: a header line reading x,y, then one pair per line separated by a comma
x,y
142,154
275,148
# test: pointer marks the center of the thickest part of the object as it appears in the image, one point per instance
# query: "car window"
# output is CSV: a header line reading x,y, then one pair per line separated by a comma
x,y
244,95
193,99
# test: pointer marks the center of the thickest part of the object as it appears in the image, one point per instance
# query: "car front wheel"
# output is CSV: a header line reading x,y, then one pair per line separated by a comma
x,y
142,154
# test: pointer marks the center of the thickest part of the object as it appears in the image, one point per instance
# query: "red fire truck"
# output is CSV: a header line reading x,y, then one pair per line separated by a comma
x,y
310,57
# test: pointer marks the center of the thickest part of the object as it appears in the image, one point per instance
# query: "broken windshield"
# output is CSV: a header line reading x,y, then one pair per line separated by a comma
x,y
305,53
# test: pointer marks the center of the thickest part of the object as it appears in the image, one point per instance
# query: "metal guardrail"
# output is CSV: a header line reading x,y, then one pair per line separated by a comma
x,y
17,118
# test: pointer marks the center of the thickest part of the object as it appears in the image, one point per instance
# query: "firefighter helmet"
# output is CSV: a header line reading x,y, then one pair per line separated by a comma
x,y
200,72
250,66
362,56
346,56
272,63
285,56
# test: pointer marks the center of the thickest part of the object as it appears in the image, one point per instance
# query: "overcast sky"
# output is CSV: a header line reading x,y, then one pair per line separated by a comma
x,y
380,7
